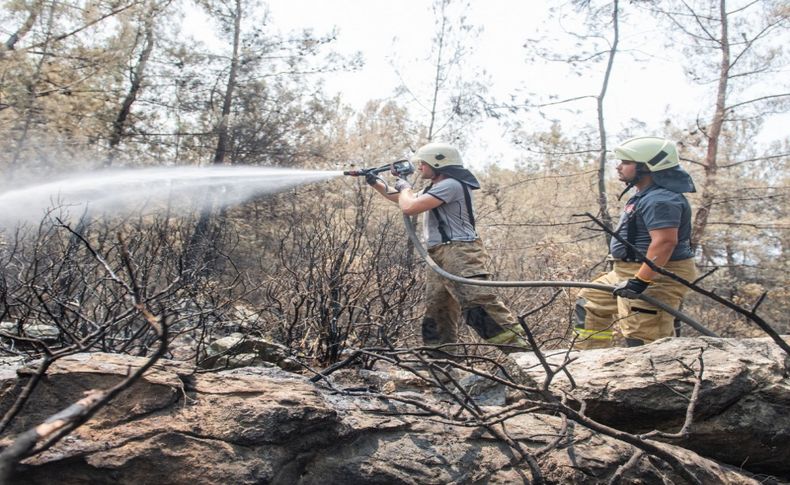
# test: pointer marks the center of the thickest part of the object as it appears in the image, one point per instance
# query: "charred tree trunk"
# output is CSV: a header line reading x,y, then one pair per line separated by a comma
x,y
136,77
206,234
603,208
713,133
223,137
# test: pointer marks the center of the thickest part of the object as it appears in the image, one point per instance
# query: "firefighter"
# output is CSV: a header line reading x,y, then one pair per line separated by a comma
x,y
656,220
454,244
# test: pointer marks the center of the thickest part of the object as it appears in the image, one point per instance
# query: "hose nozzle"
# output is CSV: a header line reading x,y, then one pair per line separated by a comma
x,y
401,168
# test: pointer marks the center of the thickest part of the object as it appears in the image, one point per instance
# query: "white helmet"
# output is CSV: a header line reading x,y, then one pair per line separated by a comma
x,y
445,159
657,157
656,153
438,155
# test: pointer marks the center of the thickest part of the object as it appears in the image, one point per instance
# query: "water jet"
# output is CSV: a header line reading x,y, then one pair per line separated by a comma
x,y
122,191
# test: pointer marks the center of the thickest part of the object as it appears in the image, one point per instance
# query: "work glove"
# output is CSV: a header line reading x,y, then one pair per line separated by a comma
x,y
630,288
371,179
402,184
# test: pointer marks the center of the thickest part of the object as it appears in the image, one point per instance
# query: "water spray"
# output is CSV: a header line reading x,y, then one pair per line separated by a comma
x,y
125,191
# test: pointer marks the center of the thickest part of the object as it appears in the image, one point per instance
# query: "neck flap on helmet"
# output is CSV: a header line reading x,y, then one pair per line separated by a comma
x,y
461,174
674,179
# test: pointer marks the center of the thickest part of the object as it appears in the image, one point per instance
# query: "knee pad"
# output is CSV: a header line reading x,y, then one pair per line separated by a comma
x,y
430,330
478,318
580,312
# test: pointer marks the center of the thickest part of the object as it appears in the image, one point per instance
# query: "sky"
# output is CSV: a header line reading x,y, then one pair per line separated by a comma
x,y
395,40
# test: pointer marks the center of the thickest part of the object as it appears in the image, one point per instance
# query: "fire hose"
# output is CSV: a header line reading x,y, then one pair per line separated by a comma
x,y
544,284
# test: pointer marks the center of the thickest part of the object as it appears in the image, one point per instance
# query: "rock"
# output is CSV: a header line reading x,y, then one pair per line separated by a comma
x,y
40,331
743,414
183,346
243,317
257,425
69,378
239,350
389,378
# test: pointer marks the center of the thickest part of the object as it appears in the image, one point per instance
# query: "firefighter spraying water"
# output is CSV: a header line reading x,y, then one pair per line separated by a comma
x,y
453,242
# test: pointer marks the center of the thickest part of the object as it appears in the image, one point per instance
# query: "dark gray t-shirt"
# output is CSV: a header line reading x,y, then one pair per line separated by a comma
x,y
655,208
458,225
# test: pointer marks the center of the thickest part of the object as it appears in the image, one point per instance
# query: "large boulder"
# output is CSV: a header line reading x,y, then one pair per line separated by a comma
x,y
742,416
264,425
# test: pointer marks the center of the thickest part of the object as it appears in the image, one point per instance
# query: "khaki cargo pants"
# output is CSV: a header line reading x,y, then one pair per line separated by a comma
x,y
602,318
445,300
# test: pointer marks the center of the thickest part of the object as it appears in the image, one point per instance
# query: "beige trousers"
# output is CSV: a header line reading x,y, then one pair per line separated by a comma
x,y
445,300
603,318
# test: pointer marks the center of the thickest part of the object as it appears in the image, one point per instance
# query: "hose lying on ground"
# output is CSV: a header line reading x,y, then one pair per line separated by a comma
x,y
544,284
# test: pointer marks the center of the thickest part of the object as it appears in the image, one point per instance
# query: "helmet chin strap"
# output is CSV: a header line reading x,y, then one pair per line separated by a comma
x,y
641,170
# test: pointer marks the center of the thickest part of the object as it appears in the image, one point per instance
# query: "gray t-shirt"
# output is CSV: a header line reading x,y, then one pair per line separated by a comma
x,y
655,208
457,222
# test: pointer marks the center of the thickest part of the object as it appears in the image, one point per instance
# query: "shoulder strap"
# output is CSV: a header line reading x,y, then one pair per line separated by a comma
x,y
631,230
630,254
441,223
469,209
441,227
629,223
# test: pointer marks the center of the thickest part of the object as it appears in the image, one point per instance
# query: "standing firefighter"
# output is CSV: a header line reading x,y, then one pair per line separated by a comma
x,y
657,222
453,243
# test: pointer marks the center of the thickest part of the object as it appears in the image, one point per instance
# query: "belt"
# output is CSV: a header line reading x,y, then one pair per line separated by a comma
x,y
437,246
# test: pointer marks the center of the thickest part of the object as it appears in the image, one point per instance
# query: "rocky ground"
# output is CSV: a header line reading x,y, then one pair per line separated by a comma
x,y
179,425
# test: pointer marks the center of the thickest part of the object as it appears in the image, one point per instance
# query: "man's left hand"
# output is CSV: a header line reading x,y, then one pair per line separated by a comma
x,y
402,184
630,288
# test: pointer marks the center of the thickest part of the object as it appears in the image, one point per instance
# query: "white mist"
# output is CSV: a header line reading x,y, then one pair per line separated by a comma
x,y
125,191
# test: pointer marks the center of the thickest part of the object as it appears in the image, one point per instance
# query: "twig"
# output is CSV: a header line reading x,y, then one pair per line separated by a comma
x,y
644,445
618,474
693,400
336,366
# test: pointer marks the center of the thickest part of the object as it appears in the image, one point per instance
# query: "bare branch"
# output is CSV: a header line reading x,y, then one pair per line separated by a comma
x,y
756,100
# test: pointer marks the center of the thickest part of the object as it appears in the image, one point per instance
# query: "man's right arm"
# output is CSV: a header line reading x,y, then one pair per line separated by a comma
x,y
412,204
